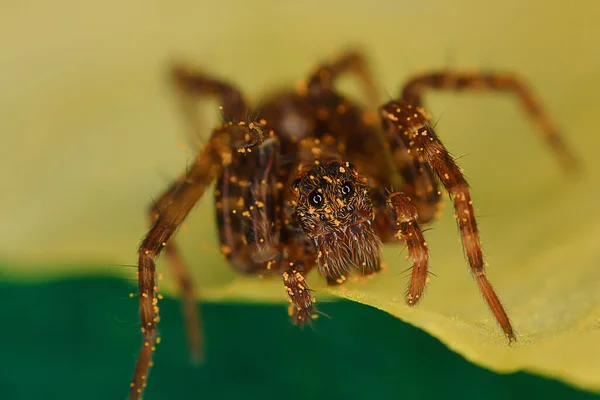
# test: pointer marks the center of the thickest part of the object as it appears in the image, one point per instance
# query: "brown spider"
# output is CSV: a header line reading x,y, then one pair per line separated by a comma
x,y
316,181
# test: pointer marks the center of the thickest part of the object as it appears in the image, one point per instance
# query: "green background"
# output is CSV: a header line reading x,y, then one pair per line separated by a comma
x,y
77,339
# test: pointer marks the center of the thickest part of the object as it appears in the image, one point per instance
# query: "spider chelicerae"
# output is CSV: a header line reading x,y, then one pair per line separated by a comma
x,y
316,180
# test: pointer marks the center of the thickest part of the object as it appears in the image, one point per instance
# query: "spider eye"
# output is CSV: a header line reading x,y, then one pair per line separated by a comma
x,y
347,188
315,198
296,184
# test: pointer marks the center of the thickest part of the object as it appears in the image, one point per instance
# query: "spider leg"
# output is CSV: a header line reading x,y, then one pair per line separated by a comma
x,y
180,272
323,78
415,88
410,126
351,126
418,180
175,207
247,205
191,85
404,215
302,303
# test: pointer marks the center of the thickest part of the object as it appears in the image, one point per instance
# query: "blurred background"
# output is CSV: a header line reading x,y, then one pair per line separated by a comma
x,y
90,133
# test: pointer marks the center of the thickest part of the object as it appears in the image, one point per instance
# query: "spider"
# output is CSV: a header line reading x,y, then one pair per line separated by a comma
x,y
315,180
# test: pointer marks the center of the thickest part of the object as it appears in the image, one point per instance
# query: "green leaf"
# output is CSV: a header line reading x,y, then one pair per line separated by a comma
x,y
92,133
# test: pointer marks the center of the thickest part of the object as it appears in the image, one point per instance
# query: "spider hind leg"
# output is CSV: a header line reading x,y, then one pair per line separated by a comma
x,y
416,87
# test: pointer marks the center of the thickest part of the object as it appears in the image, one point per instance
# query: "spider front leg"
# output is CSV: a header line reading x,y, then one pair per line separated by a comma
x,y
404,214
174,208
247,203
302,303
416,87
410,126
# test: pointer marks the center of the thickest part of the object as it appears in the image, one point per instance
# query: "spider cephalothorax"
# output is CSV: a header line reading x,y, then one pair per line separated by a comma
x,y
335,210
310,184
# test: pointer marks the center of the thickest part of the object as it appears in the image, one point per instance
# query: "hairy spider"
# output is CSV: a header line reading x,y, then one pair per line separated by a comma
x,y
316,180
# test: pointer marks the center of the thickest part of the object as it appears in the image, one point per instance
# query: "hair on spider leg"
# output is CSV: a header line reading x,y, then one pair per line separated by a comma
x,y
423,231
156,212
221,114
407,273
226,119
389,190
124,265
169,179
389,96
311,320
432,274
407,290
403,249
437,120
163,175
485,216
319,312
307,320
257,111
456,158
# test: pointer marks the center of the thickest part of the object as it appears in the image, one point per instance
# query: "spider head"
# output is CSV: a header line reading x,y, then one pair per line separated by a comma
x,y
335,210
331,197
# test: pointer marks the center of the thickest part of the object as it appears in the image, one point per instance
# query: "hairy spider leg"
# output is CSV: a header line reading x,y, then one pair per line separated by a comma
x,y
354,62
415,88
410,126
404,215
248,203
357,130
174,207
192,85
178,269
353,128
418,180
302,307
396,215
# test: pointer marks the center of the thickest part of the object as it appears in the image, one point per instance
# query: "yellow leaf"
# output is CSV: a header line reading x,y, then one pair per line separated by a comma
x,y
90,133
